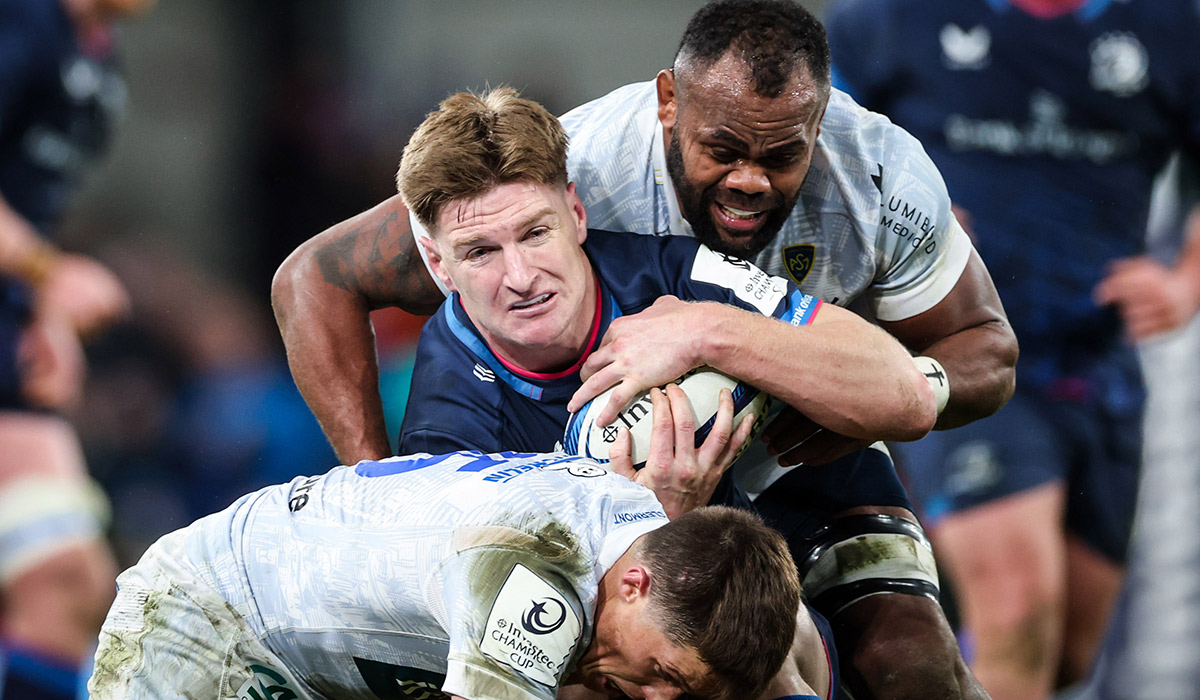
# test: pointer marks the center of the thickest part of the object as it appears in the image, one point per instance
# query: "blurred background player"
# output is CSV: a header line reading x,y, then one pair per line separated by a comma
x,y
465,575
60,96
1049,120
1150,650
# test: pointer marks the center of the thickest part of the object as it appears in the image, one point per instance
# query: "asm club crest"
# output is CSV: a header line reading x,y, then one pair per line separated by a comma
x,y
798,261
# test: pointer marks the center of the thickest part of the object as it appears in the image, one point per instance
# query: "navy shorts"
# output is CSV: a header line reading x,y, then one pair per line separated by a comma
x,y
1091,445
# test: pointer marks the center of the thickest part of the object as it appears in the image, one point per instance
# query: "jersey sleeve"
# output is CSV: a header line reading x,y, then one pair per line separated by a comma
x,y
516,624
448,409
921,248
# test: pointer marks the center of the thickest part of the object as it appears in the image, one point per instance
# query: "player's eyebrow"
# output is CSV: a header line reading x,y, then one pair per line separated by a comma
x,y
543,213
675,677
792,145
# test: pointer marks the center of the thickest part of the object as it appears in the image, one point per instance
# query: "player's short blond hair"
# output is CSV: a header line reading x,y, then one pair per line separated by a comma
x,y
473,143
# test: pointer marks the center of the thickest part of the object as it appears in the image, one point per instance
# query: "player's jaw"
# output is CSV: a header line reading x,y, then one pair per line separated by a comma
x,y
544,326
726,222
725,219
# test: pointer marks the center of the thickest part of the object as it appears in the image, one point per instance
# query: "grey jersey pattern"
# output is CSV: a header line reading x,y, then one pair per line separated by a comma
x,y
480,567
873,222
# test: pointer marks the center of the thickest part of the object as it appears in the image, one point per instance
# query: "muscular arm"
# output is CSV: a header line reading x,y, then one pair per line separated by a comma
x,y
322,295
841,371
969,334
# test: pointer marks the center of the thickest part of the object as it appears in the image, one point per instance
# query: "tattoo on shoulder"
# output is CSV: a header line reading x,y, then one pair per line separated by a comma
x,y
378,259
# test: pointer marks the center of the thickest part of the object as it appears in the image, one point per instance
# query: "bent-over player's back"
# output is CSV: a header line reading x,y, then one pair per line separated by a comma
x,y
397,565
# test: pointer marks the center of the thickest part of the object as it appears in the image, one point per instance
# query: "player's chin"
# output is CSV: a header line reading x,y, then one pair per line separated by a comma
x,y
743,244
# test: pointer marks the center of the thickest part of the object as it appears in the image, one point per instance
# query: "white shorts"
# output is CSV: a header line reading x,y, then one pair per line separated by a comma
x,y
169,635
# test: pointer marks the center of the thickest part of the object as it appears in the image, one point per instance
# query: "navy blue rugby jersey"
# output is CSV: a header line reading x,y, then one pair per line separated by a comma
x,y
465,398
59,101
1048,132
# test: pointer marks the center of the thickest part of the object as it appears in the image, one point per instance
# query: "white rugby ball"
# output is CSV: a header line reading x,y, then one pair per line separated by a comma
x,y
703,388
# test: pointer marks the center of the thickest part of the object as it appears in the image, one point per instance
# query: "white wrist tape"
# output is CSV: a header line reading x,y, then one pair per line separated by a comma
x,y
936,374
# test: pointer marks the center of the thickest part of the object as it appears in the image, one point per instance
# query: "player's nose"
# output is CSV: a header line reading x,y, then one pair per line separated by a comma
x,y
748,177
519,274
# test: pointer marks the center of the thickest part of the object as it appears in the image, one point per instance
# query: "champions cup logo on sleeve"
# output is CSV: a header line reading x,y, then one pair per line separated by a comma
x,y
544,616
530,628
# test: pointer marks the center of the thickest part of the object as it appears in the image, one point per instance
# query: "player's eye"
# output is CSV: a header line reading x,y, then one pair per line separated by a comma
x,y
536,233
777,162
723,155
476,254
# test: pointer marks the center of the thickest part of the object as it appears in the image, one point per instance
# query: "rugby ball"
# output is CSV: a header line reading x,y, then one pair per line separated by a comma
x,y
702,386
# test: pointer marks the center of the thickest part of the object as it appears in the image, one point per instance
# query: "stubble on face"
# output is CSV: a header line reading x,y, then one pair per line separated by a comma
x,y
720,99
696,205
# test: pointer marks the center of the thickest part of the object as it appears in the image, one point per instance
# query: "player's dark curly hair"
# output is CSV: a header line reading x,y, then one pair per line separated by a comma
x,y
772,36
724,584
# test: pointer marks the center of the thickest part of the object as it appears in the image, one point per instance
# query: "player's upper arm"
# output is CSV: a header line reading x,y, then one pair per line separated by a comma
x,y
515,623
972,302
920,248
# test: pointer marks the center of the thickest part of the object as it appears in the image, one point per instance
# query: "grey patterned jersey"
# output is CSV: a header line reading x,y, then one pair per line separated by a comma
x,y
475,574
873,222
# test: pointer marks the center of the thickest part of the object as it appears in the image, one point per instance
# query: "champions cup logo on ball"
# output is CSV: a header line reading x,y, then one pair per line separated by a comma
x,y
702,386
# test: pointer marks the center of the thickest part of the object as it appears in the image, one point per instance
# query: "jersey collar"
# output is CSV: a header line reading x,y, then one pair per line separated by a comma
x,y
539,387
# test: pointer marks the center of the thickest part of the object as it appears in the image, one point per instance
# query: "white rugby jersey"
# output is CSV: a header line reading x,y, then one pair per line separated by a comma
x,y
872,223
475,574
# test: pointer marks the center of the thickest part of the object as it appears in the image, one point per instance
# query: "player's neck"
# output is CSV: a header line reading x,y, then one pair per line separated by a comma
x,y
1048,9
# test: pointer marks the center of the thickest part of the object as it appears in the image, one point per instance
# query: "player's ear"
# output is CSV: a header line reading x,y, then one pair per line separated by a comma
x,y
668,99
578,211
436,264
635,583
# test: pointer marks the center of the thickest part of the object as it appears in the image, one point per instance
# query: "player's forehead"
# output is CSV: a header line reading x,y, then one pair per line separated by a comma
x,y
721,99
506,208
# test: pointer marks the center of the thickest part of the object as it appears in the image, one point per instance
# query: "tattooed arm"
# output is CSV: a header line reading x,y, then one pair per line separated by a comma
x,y
322,295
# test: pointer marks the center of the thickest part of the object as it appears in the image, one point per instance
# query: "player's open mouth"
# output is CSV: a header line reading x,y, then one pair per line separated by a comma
x,y
737,220
530,303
